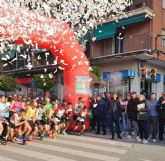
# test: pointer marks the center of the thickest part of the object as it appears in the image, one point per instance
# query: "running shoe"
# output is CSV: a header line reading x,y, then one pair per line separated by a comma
x,y
19,141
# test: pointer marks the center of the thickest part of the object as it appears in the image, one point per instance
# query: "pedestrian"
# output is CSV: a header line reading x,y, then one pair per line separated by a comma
x,y
161,111
132,115
124,121
93,104
115,116
143,117
100,113
161,98
153,117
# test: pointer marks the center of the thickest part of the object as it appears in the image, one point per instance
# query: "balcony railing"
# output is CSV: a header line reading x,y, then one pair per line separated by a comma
x,y
113,46
135,43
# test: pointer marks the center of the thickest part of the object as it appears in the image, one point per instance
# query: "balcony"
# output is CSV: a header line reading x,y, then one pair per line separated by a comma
x,y
17,64
114,47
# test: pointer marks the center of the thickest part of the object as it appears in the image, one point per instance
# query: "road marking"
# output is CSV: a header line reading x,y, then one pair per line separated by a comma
x,y
90,146
30,153
74,152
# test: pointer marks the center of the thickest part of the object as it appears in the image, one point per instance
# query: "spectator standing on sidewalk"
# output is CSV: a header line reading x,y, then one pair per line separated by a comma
x,y
143,117
93,104
100,113
115,116
124,123
153,117
161,111
132,115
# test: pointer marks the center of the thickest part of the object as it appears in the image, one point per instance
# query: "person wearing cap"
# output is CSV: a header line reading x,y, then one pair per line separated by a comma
x,y
161,111
132,114
100,113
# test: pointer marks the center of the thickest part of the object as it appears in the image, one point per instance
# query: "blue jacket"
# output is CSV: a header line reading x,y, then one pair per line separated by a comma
x,y
101,108
153,107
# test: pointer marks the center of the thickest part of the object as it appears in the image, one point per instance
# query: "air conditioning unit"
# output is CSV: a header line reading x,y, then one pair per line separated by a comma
x,y
141,4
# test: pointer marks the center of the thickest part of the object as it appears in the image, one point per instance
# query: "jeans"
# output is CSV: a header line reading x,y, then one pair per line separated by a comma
x,y
132,126
153,126
101,119
161,128
115,124
124,123
143,129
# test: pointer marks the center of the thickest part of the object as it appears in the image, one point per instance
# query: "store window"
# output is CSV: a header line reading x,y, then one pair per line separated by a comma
x,y
163,38
163,4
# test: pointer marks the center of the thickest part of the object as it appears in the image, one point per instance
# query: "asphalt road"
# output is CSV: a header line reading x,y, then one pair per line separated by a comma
x,y
82,148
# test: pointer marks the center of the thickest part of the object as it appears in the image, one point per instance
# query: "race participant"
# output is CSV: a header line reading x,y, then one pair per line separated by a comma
x,y
4,115
81,120
68,116
17,105
20,127
31,115
59,117
41,123
27,104
78,107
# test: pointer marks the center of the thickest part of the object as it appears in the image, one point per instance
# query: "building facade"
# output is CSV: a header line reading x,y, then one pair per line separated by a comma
x,y
122,48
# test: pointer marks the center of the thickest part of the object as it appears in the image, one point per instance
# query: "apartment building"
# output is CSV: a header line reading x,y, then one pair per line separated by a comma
x,y
135,42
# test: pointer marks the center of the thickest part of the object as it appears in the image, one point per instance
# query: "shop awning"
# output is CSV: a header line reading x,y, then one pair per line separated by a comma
x,y
8,55
108,30
130,20
104,31
23,81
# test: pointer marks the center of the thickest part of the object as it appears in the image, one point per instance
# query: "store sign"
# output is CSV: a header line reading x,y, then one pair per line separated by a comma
x,y
106,76
23,81
82,84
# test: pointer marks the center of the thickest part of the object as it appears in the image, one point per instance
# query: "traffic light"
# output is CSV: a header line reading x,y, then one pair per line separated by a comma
x,y
153,74
144,73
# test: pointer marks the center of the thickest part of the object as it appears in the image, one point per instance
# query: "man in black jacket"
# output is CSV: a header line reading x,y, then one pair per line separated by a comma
x,y
161,111
132,114
115,116
100,113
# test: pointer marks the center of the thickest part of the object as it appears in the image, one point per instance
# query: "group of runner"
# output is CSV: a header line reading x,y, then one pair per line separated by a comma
x,y
23,120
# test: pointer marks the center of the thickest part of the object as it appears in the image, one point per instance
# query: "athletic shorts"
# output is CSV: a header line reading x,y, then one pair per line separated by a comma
x,y
39,122
12,126
82,122
32,124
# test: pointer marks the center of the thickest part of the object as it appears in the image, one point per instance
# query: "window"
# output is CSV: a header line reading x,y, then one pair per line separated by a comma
x,y
163,38
163,4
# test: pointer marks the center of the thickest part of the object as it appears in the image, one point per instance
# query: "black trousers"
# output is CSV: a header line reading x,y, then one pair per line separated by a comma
x,y
5,131
143,129
101,119
161,128
115,124
93,122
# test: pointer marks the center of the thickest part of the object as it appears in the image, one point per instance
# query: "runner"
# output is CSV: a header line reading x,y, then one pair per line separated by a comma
x,y
4,115
19,127
68,116
81,120
31,115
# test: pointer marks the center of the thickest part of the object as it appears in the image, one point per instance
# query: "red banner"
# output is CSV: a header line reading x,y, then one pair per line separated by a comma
x,y
23,81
